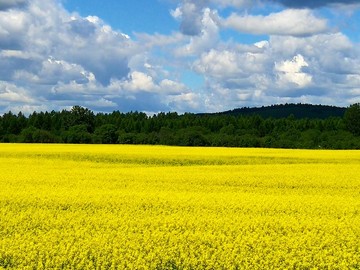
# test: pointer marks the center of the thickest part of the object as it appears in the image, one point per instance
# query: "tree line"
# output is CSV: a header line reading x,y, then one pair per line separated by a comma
x,y
81,125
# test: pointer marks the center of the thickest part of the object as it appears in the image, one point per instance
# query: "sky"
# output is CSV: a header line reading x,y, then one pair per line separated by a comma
x,y
177,55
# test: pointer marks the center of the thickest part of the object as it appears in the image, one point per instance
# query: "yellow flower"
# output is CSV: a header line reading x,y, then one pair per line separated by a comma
x,y
156,207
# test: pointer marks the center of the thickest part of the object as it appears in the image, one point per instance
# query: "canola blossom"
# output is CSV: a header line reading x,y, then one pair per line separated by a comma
x,y
157,207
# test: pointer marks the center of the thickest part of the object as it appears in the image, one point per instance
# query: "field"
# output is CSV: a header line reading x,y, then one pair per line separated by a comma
x,y
152,207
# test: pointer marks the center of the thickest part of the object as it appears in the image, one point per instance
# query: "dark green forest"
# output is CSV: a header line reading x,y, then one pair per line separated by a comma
x,y
278,126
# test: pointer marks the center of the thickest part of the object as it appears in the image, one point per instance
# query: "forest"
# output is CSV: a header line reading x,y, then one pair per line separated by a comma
x,y
279,126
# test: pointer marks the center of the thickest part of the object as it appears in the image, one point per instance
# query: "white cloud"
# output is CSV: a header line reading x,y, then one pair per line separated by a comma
x,y
13,24
284,69
73,89
12,93
230,64
55,71
189,14
171,88
186,102
177,13
218,64
354,80
288,22
322,45
100,103
206,39
50,56
17,54
158,40
139,81
290,71
45,28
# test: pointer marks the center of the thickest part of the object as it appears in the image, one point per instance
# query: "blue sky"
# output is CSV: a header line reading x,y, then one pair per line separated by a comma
x,y
128,16
177,55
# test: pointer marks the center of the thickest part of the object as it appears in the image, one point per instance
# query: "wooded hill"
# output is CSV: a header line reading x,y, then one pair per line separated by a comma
x,y
285,110
277,126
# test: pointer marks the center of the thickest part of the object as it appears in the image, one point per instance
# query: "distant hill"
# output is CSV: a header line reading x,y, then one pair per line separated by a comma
x,y
285,110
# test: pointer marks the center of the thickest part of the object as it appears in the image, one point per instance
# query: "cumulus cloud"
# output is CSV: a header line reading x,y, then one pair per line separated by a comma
x,y
142,91
287,22
230,64
54,71
158,40
173,88
12,93
189,14
206,40
48,55
45,29
53,59
330,53
47,50
13,24
290,71
141,82
186,102
309,69
218,64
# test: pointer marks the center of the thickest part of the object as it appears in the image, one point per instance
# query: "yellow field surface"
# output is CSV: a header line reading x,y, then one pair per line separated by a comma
x,y
155,207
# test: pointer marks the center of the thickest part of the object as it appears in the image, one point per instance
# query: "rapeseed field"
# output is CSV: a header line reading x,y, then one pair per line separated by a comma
x,y
156,207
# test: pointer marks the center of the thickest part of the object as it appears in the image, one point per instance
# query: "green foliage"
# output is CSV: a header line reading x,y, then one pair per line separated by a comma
x,y
352,119
82,116
106,134
194,136
27,135
80,125
77,134
127,138
44,136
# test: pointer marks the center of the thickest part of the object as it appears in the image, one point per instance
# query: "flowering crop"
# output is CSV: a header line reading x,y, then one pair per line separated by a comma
x,y
155,207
